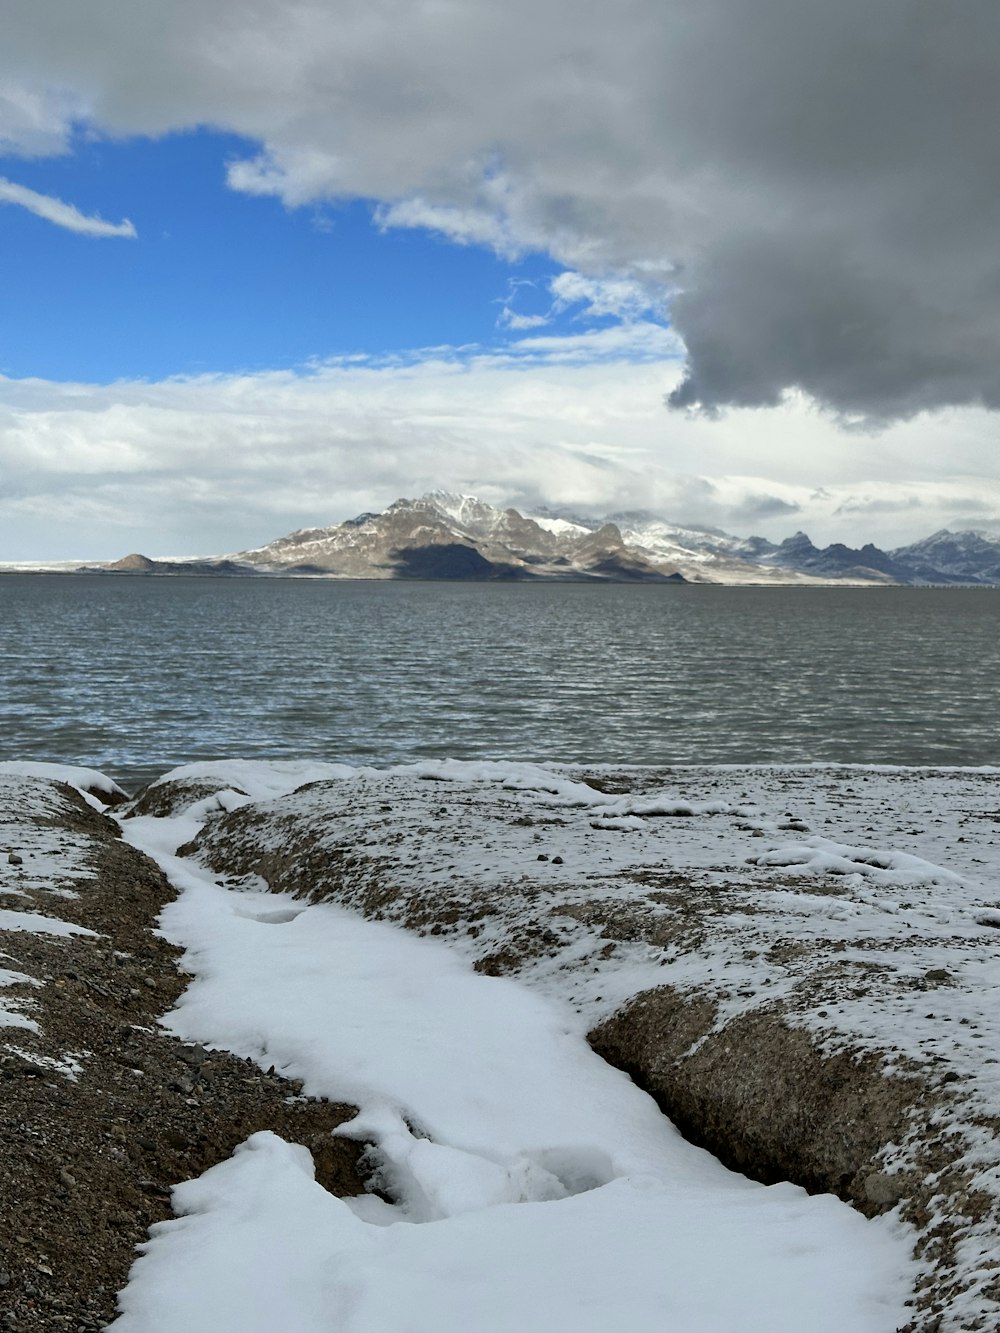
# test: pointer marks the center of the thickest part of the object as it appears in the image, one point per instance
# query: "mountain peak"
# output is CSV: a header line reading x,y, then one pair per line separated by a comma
x,y
450,534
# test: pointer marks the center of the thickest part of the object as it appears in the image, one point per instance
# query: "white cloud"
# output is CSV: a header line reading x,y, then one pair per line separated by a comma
x,y
510,319
465,226
622,298
217,463
61,214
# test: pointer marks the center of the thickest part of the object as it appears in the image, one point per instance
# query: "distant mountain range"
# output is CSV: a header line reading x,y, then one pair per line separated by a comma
x,y
458,537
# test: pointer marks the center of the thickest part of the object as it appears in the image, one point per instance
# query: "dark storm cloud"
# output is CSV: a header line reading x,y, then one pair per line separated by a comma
x,y
858,260
814,184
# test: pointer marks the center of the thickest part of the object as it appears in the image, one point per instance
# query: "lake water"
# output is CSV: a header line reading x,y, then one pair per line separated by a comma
x,y
136,675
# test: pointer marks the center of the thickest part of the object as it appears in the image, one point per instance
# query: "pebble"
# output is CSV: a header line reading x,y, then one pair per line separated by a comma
x,y
15,860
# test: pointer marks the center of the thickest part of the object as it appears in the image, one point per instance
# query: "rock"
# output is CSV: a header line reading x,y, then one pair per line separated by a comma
x,y
883,1189
939,976
15,860
193,1055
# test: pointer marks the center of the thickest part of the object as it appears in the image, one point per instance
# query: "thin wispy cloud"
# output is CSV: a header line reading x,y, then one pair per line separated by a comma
x,y
60,213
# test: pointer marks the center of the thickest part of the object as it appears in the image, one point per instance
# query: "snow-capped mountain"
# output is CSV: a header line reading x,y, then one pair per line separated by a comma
x,y
951,557
449,536
444,535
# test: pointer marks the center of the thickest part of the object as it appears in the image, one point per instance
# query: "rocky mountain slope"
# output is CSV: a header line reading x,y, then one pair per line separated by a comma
x,y
446,536
459,537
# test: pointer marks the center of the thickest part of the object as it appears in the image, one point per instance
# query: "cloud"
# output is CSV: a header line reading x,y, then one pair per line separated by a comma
x,y
814,186
620,298
59,213
218,463
757,507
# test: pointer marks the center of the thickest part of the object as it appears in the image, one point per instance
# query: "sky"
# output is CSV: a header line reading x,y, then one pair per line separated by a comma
x,y
267,265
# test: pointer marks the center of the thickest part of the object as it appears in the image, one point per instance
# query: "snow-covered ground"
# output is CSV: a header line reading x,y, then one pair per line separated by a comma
x,y
532,1186
40,863
434,942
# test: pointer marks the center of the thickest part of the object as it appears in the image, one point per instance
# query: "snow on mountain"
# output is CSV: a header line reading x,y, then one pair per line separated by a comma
x,y
445,535
952,557
448,535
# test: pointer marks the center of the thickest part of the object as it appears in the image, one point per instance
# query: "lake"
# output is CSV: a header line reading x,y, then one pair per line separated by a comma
x,y
136,675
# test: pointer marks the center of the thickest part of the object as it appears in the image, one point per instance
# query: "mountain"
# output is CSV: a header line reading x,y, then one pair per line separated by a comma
x,y
869,564
459,537
446,536
951,557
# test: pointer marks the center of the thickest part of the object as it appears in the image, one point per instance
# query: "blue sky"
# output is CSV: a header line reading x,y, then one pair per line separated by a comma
x,y
217,281
268,263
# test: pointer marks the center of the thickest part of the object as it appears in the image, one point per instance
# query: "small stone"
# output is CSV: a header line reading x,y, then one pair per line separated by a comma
x,y
66,1178
542,856
149,982
15,860
5,1278
557,860
938,976
883,1189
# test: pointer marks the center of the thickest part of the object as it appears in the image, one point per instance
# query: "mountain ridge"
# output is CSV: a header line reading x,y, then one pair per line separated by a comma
x,y
451,536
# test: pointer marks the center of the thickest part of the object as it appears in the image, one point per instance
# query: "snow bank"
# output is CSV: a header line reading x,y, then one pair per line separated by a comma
x,y
839,919
532,1185
88,781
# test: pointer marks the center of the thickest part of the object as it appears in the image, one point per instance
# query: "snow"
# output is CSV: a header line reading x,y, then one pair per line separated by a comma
x,y
12,1011
560,527
87,781
39,925
260,1246
259,780
53,857
532,1186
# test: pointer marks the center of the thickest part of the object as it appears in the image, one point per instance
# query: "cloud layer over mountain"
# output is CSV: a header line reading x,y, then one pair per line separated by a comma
x,y
815,186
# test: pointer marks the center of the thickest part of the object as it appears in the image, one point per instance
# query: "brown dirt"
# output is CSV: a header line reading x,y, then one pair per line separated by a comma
x,y
758,1093
86,1166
